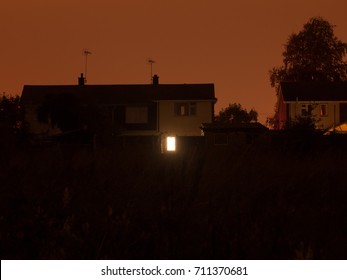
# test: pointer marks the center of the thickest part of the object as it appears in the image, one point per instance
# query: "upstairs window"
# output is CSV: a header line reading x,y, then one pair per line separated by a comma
x,y
185,109
136,115
306,110
323,110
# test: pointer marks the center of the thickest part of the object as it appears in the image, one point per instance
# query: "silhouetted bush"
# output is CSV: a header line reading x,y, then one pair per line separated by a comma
x,y
301,124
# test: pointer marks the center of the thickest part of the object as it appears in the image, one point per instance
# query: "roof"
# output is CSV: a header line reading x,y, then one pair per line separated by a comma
x,y
233,127
314,91
120,94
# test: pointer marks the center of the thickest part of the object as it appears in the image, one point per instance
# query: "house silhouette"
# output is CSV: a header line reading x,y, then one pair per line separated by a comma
x,y
135,109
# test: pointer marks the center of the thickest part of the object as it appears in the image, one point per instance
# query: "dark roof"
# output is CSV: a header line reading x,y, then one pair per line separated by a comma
x,y
314,91
233,127
120,94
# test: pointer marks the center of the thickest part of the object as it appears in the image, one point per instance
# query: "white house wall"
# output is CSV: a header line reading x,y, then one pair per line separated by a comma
x,y
333,112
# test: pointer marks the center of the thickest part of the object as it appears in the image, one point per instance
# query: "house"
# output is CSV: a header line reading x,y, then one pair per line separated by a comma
x,y
326,102
150,109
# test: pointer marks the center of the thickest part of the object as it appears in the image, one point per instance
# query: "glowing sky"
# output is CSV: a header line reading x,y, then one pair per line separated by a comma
x,y
232,44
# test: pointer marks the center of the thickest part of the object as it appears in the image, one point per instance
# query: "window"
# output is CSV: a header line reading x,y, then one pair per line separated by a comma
x,y
323,110
136,115
168,144
171,144
306,110
185,109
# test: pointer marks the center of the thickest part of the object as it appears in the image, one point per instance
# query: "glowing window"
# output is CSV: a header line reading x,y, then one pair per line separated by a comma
x,y
171,144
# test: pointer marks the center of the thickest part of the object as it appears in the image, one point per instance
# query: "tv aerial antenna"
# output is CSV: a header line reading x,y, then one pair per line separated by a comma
x,y
86,52
151,61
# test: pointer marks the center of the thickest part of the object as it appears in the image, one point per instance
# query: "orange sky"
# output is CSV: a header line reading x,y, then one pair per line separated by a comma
x,y
230,43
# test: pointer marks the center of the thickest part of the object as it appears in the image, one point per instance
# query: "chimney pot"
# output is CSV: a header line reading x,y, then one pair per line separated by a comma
x,y
155,79
81,80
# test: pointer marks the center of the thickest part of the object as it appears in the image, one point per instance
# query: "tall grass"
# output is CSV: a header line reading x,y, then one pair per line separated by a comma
x,y
256,201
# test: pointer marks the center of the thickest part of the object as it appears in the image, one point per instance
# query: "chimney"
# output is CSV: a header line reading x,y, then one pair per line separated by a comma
x,y
155,79
81,80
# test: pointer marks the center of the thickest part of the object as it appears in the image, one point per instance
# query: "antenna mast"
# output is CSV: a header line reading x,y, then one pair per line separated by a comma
x,y
151,61
86,52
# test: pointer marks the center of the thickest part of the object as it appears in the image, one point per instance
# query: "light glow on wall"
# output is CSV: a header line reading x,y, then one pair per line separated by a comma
x,y
171,144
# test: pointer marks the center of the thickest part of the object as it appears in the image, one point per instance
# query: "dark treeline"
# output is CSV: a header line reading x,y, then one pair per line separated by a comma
x,y
279,199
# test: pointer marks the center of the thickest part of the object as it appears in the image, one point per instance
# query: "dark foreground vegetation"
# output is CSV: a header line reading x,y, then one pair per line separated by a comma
x,y
279,199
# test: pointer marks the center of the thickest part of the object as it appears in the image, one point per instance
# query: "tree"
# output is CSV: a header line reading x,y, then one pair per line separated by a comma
x,y
314,54
69,113
11,122
301,124
61,111
10,112
234,113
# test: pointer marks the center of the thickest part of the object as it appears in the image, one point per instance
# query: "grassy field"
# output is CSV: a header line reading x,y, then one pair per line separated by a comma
x,y
281,199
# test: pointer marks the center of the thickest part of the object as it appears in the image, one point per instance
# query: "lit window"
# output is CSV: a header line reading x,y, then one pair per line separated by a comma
x,y
171,144
323,110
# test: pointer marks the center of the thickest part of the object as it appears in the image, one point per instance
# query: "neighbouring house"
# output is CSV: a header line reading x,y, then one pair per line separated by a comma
x,y
150,109
326,102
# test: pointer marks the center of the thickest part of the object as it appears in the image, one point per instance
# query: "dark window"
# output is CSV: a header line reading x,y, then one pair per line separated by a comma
x,y
306,110
192,109
343,112
136,115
